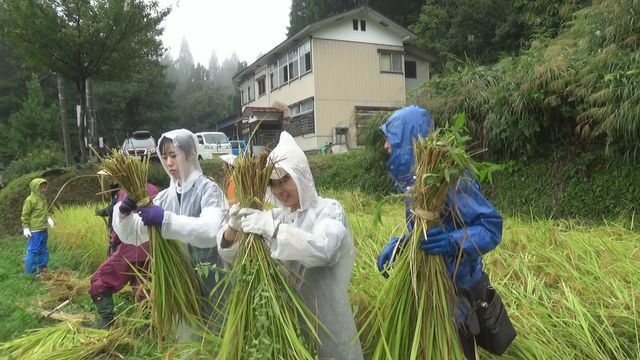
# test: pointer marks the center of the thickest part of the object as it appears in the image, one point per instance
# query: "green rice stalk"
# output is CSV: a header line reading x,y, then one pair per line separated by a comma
x,y
175,288
265,317
414,316
66,340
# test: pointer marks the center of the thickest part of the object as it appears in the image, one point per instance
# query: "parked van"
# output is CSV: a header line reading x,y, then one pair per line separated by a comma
x,y
212,144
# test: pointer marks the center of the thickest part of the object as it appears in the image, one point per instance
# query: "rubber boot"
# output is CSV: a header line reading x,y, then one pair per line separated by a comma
x,y
104,304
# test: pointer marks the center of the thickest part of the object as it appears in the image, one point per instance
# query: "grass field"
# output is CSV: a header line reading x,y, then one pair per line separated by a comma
x,y
570,287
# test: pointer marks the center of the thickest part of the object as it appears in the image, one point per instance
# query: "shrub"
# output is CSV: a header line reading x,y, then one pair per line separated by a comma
x,y
565,183
37,160
82,188
354,170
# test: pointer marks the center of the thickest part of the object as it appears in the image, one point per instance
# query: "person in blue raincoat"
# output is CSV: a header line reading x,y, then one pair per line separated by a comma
x,y
476,228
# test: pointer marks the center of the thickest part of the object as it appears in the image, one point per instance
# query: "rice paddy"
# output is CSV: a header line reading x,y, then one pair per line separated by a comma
x,y
571,288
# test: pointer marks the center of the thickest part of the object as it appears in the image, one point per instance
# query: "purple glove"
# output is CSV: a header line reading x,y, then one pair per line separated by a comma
x,y
127,205
437,242
152,216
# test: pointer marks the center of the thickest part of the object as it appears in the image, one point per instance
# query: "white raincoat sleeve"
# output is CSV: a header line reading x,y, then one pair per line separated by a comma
x,y
198,231
316,248
129,228
228,254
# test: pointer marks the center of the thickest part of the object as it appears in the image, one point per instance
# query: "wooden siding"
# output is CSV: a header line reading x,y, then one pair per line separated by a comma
x,y
300,125
347,74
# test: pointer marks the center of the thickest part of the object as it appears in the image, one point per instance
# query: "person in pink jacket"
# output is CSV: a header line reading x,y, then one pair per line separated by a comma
x,y
119,269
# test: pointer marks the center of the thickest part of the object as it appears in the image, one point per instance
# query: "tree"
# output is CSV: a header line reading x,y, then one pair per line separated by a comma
x,y
32,127
214,65
483,30
142,102
13,79
82,39
305,12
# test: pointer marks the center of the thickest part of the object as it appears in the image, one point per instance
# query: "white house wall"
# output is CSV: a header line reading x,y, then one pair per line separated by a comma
x,y
343,30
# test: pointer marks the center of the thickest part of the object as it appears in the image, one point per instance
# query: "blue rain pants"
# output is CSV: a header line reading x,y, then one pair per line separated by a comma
x,y
37,254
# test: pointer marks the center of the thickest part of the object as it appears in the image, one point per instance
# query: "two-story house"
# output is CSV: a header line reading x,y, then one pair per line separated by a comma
x,y
320,83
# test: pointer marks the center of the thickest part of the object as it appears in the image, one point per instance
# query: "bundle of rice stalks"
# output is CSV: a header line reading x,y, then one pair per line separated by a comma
x,y
414,316
62,284
67,340
175,289
265,318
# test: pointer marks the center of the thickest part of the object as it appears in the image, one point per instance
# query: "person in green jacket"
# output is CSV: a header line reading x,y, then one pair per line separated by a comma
x,y
35,222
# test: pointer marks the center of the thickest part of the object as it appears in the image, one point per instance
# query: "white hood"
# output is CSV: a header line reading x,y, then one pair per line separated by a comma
x,y
184,143
288,156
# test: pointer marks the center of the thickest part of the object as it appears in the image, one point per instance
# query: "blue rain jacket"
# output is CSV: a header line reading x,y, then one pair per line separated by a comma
x,y
478,228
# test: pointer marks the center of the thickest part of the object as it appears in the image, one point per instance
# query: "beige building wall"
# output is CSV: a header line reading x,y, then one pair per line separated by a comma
x,y
422,73
347,74
291,93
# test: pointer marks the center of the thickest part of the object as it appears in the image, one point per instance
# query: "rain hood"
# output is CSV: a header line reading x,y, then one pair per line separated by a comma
x,y
184,144
402,127
288,156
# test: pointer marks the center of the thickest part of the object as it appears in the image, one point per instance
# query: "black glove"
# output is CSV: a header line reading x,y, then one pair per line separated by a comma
x,y
127,205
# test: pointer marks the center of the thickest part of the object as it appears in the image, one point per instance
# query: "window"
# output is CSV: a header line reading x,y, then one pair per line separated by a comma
x,y
390,61
355,24
302,107
363,25
262,86
219,138
246,93
273,76
283,65
341,136
302,119
291,65
305,57
410,71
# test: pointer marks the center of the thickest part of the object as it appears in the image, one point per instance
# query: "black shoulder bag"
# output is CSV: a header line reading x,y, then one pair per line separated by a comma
x,y
496,332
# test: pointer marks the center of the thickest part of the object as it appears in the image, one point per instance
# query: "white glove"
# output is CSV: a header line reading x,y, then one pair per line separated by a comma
x,y
26,232
234,217
50,222
257,222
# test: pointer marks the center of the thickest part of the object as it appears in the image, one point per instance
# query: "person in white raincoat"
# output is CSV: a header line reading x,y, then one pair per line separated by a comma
x,y
191,209
310,236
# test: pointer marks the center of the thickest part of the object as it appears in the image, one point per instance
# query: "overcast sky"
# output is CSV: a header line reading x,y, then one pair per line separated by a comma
x,y
246,27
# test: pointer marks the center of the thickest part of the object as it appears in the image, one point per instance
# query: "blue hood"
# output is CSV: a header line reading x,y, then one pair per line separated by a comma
x,y
402,127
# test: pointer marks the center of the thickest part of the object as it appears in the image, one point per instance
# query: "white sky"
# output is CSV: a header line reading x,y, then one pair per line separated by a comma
x,y
246,27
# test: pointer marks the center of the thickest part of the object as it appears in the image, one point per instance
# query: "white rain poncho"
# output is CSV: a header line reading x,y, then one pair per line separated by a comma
x,y
194,207
314,243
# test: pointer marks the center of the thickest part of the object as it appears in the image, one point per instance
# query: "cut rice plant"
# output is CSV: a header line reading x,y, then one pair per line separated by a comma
x,y
175,289
80,236
265,317
415,313
66,340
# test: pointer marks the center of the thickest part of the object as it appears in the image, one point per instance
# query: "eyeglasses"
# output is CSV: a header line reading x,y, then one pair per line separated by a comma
x,y
279,182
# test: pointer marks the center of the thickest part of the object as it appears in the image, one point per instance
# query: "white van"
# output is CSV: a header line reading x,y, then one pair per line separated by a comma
x,y
212,144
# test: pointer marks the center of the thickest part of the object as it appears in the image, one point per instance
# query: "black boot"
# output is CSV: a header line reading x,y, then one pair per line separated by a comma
x,y
104,304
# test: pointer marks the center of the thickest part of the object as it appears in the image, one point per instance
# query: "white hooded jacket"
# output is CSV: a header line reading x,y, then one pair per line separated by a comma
x,y
193,211
315,244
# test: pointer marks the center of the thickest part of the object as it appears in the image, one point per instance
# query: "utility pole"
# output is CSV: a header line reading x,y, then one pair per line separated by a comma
x,y
66,140
91,115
